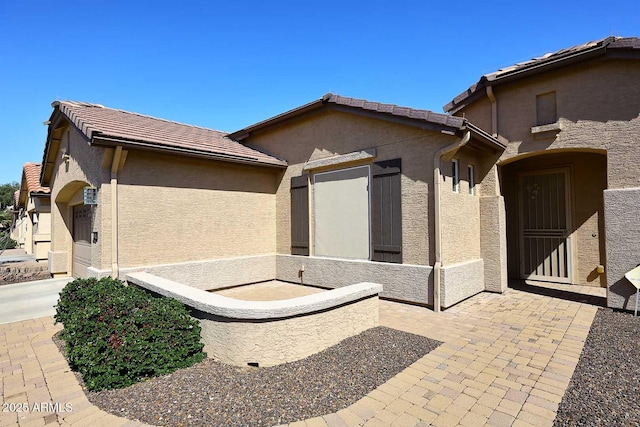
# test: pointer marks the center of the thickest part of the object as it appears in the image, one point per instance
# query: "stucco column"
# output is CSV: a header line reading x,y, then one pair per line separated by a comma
x,y
493,243
622,230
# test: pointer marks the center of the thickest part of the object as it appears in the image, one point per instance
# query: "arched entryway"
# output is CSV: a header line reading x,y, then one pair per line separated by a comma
x,y
555,223
73,222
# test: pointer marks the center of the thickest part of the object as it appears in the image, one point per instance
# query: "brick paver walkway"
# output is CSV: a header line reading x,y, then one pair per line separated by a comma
x,y
505,360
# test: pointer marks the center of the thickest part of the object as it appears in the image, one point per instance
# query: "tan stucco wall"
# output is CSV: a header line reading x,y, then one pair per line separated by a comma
x,y
40,231
328,133
175,209
460,212
20,230
280,341
404,282
461,281
623,251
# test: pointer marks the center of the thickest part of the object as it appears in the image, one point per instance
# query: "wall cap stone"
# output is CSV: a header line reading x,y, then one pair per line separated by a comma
x,y
239,309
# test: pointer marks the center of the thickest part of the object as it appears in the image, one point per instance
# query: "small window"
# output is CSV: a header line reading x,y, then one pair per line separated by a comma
x,y
472,180
455,176
546,109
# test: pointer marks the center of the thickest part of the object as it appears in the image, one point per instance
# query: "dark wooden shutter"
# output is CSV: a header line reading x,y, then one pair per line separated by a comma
x,y
386,212
299,215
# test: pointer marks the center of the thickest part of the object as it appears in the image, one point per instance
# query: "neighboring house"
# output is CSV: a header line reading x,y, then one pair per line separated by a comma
x,y
569,173
376,192
165,192
31,227
18,227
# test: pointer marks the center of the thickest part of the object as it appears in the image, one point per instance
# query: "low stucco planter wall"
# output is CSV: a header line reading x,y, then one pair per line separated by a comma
x,y
269,333
404,282
461,281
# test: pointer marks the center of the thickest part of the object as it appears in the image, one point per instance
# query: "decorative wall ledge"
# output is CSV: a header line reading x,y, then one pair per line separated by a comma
x,y
546,129
369,153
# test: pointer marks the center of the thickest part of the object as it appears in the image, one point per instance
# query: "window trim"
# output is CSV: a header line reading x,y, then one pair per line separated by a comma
x,y
472,179
545,101
455,175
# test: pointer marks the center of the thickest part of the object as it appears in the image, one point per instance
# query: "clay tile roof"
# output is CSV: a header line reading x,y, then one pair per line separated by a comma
x,y
31,174
97,121
631,43
16,199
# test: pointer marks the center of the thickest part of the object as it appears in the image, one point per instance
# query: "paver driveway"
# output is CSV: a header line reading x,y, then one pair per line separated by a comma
x,y
505,360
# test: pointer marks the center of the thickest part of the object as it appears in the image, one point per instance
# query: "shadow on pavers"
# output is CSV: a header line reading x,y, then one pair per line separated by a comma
x,y
521,285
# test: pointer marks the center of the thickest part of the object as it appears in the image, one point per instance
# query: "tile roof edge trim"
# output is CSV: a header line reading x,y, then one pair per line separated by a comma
x,y
338,101
484,136
101,140
553,63
244,133
488,79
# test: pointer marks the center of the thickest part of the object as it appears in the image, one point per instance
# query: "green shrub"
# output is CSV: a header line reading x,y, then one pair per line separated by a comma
x,y
7,242
117,335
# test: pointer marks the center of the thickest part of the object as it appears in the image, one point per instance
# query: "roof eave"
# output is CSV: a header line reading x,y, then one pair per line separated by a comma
x,y
101,140
549,65
325,101
486,138
52,145
489,80
452,108
39,194
403,120
244,133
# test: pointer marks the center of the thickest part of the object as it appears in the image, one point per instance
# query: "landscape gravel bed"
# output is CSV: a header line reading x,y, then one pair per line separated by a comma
x,y
604,387
211,393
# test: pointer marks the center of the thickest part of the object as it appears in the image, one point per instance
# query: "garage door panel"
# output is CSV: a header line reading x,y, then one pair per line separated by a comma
x,y
81,240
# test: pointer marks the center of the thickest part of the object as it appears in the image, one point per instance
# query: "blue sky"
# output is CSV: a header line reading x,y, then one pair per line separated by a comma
x,y
226,65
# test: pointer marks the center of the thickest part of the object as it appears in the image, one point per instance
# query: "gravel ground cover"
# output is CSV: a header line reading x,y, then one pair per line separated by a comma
x,y
604,389
211,393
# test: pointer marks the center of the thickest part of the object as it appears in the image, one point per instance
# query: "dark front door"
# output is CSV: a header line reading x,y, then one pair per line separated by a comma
x,y
545,226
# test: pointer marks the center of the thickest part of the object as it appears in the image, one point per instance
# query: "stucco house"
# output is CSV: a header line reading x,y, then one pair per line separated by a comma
x,y
532,175
18,227
345,194
31,227
569,174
